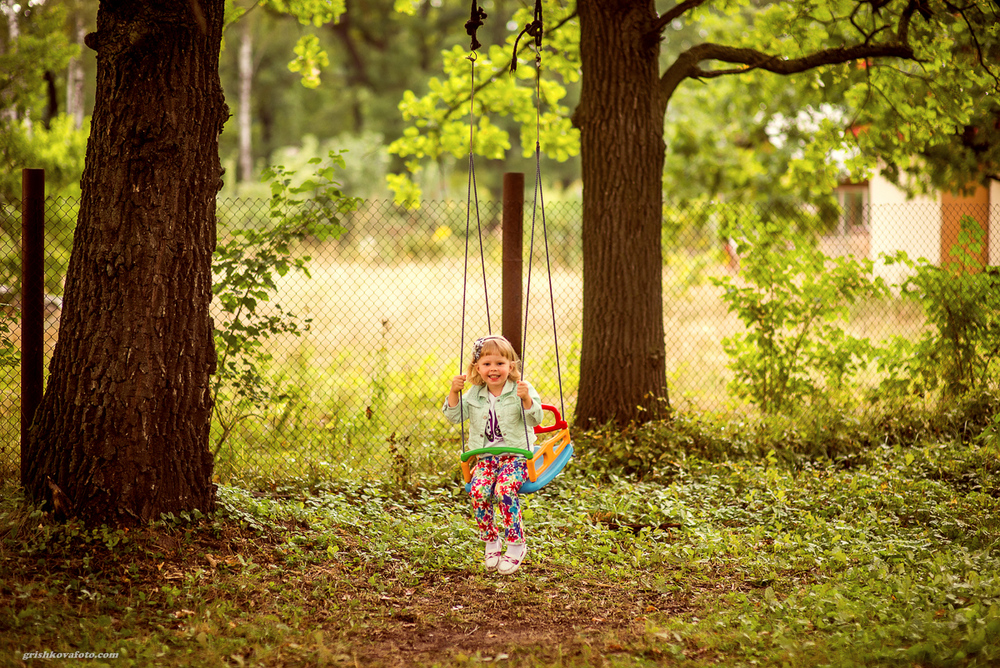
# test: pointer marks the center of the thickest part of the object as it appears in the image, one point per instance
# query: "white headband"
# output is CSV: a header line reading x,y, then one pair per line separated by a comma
x,y
477,346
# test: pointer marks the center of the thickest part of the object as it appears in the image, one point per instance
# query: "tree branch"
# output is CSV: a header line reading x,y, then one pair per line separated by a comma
x,y
506,68
753,59
903,31
687,64
674,13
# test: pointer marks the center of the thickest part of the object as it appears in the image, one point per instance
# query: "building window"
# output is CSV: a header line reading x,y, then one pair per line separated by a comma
x,y
853,201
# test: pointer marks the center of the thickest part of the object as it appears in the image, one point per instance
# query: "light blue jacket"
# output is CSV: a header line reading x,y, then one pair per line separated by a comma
x,y
475,406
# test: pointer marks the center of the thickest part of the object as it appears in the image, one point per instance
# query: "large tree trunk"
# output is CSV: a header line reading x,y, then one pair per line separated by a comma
x,y
622,365
123,426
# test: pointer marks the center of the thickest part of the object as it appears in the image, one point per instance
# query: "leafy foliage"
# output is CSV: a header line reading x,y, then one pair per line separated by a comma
x,y
246,269
440,120
891,560
791,298
917,115
960,352
10,352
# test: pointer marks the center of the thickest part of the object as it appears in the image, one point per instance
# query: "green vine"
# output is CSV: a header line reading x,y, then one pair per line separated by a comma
x,y
246,268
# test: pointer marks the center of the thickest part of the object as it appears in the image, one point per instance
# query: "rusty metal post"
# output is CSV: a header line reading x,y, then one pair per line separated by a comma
x,y
513,256
32,299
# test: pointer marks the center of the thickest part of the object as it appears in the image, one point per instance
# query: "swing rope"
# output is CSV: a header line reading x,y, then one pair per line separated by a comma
x,y
471,26
536,30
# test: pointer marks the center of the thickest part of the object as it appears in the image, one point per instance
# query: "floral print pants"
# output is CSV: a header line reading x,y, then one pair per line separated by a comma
x,y
497,479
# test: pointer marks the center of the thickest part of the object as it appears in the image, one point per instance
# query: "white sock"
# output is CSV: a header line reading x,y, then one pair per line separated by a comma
x,y
492,546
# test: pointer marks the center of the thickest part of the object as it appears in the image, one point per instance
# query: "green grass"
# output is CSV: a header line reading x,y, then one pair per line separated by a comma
x,y
384,341
887,559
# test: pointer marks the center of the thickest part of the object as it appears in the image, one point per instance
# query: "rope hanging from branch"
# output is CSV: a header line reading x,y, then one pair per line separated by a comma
x,y
534,29
471,26
475,22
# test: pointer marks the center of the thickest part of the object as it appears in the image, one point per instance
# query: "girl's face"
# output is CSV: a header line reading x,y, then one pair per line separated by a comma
x,y
494,369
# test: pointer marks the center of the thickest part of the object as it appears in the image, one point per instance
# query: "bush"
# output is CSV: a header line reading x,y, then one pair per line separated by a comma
x,y
960,352
849,437
792,298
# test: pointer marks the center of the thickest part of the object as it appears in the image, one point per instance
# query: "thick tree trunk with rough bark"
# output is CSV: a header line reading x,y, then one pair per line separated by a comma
x,y
622,365
122,432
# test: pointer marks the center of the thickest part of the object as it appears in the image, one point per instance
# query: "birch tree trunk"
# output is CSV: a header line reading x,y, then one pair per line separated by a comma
x,y
245,119
75,74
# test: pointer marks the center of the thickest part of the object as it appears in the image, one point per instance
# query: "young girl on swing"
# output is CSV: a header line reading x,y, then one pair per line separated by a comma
x,y
502,410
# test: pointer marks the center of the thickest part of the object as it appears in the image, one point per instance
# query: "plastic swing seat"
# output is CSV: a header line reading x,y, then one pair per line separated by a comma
x,y
544,464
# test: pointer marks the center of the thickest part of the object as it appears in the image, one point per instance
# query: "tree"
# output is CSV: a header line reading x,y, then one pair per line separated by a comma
x,y
32,48
121,434
905,68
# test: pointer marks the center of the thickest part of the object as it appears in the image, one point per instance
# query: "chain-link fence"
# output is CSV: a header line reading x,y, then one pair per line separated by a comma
x,y
383,310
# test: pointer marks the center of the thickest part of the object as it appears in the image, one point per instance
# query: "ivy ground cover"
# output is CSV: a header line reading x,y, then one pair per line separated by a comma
x,y
887,559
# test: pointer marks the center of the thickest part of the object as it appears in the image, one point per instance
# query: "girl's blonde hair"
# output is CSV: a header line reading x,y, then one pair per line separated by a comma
x,y
493,345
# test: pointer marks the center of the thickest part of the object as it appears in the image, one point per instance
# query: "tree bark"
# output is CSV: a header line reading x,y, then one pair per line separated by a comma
x,y
122,433
621,121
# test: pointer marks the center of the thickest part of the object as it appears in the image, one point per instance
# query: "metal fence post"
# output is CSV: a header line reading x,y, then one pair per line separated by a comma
x,y
32,298
513,256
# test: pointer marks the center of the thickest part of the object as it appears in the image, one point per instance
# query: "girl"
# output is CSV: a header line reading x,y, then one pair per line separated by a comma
x,y
502,410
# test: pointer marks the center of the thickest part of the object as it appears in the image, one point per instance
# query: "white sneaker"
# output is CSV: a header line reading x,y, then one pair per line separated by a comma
x,y
510,563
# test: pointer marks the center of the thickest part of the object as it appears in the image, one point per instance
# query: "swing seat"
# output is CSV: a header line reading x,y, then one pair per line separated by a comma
x,y
544,464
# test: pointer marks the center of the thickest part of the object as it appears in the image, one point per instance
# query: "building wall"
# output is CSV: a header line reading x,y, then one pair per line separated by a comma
x,y
956,207
899,222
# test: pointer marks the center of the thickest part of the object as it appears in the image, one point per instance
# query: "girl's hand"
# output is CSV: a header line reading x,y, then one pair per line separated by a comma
x,y
522,392
455,393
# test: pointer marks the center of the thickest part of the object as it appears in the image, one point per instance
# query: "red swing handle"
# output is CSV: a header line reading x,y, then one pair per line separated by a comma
x,y
559,422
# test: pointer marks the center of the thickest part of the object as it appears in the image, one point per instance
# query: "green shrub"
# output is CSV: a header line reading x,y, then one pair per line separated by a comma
x,y
960,352
792,300
245,267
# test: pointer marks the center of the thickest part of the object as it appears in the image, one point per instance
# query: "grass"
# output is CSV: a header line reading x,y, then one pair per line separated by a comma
x,y
887,559
385,339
